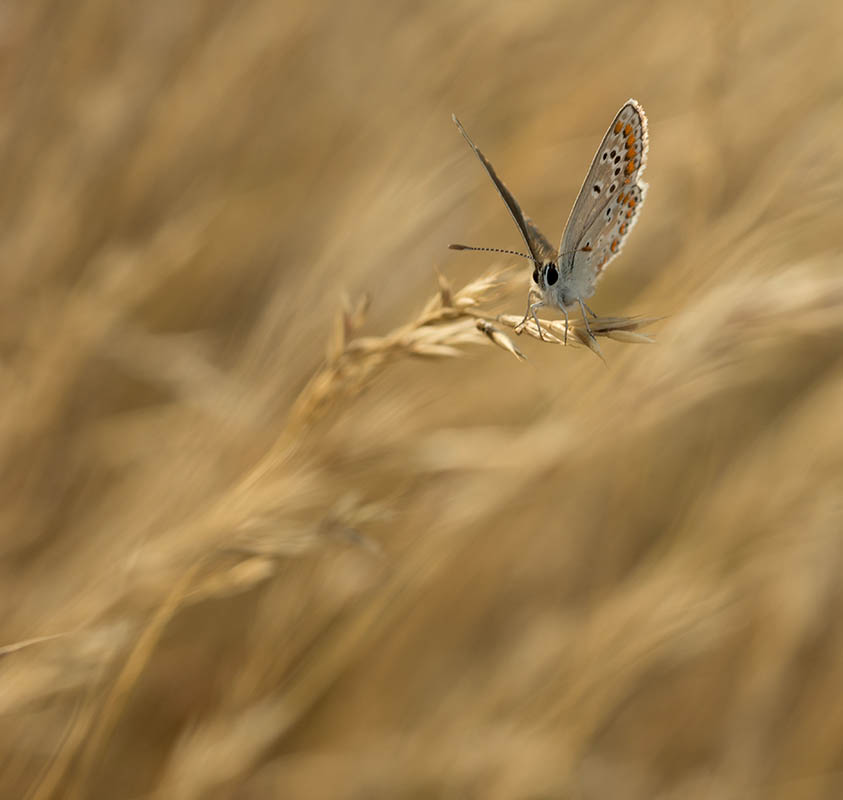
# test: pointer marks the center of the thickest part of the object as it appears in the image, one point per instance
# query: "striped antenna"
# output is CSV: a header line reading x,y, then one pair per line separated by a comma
x,y
491,250
510,252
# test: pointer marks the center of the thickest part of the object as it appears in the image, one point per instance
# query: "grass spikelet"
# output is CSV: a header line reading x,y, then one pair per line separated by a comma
x,y
621,329
499,338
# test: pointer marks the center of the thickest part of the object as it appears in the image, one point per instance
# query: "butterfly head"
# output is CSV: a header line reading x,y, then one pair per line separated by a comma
x,y
545,275
554,290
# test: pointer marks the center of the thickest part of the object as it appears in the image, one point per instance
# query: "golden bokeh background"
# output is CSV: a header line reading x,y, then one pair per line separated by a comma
x,y
457,577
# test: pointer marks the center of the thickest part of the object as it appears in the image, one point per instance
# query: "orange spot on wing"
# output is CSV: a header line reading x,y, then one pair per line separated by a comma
x,y
586,249
628,214
615,246
628,129
621,198
622,229
630,167
618,126
631,203
626,181
630,140
631,153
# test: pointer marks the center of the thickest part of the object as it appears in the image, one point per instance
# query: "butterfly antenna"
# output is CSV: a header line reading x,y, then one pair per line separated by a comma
x,y
491,250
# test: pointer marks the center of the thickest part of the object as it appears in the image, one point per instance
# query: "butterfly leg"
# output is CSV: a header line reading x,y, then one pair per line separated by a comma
x,y
523,322
565,312
588,309
583,307
533,312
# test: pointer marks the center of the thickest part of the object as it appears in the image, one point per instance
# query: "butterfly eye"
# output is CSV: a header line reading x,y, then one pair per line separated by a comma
x,y
551,276
535,275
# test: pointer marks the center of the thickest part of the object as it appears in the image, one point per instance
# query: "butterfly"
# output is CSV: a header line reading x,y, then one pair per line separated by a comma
x,y
604,213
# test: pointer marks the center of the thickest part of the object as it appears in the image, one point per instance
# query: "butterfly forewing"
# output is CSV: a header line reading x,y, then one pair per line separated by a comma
x,y
540,249
609,200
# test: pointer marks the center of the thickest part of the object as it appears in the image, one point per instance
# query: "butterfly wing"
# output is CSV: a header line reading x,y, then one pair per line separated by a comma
x,y
540,249
607,206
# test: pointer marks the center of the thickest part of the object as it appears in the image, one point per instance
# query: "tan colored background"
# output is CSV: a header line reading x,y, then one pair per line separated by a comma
x,y
470,578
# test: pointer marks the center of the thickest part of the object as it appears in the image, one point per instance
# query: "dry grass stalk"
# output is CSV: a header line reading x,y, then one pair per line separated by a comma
x,y
448,321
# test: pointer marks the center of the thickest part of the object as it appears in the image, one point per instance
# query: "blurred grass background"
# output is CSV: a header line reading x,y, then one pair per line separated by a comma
x,y
477,578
